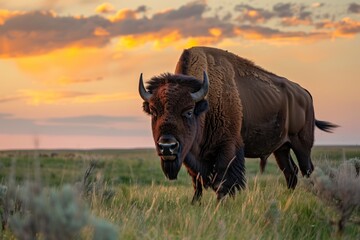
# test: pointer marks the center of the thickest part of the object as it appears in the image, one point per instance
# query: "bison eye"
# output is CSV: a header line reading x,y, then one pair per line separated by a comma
x,y
188,114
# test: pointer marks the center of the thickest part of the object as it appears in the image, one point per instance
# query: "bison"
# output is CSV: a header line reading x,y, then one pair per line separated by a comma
x,y
237,110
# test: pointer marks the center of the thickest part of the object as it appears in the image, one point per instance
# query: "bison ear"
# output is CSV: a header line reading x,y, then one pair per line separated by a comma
x,y
200,107
146,107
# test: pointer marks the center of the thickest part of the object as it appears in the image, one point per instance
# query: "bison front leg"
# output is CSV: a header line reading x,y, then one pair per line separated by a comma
x,y
197,184
229,175
198,172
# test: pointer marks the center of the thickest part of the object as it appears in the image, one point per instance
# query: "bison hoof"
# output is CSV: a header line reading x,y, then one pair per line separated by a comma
x,y
196,200
220,196
308,172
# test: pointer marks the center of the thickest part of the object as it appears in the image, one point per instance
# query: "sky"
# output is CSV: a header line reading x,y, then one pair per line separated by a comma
x,y
69,69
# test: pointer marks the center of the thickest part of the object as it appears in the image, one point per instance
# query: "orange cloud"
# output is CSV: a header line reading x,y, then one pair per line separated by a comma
x,y
216,32
196,41
168,38
105,8
37,97
37,33
274,35
216,37
110,97
49,97
295,21
6,14
73,61
346,28
68,81
27,34
123,14
7,99
99,31
254,16
18,43
159,40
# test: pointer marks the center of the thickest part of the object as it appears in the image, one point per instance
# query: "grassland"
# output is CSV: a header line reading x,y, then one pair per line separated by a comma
x,y
145,205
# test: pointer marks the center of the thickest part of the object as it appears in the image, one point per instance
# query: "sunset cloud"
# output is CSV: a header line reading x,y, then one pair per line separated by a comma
x,y
95,125
159,39
7,99
105,8
123,14
346,27
286,9
52,96
268,34
57,96
36,33
37,97
68,81
41,32
317,5
109,97
67,66
101,32
188,20
6,14
289,14
354,8
294,15
295,21
252,14
92,119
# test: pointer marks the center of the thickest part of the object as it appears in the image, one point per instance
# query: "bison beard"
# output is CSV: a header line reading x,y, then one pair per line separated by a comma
x,y
171,168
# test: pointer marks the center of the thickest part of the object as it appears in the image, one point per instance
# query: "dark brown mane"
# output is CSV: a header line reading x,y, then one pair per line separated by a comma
x,y
165,78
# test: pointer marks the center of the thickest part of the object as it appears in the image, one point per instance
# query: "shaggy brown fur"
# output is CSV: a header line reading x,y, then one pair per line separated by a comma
x,y
250,111
277,114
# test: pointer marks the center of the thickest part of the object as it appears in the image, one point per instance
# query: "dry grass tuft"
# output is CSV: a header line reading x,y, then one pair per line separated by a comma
x,y
92,186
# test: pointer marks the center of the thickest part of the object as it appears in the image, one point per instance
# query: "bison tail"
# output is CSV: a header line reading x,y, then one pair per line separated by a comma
x,y
325,126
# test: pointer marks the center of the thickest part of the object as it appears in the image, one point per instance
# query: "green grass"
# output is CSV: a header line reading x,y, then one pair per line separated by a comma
x,y
147,206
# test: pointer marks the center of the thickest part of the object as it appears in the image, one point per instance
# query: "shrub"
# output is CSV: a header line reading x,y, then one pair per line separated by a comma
x,y
340,188
50,214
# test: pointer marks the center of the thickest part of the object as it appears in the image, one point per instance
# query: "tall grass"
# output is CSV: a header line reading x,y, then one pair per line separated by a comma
x,y
143,205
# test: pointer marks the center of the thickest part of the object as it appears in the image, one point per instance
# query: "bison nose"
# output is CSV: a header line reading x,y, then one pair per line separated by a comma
x,y
168,145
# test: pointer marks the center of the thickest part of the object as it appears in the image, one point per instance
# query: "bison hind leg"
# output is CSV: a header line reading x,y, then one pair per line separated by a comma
x,y
287,165
302,149
263,162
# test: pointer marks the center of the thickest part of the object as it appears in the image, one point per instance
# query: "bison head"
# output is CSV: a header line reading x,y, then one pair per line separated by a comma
x,y
176,104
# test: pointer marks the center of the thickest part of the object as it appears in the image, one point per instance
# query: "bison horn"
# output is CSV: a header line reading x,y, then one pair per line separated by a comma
x,y
145,95
199,95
